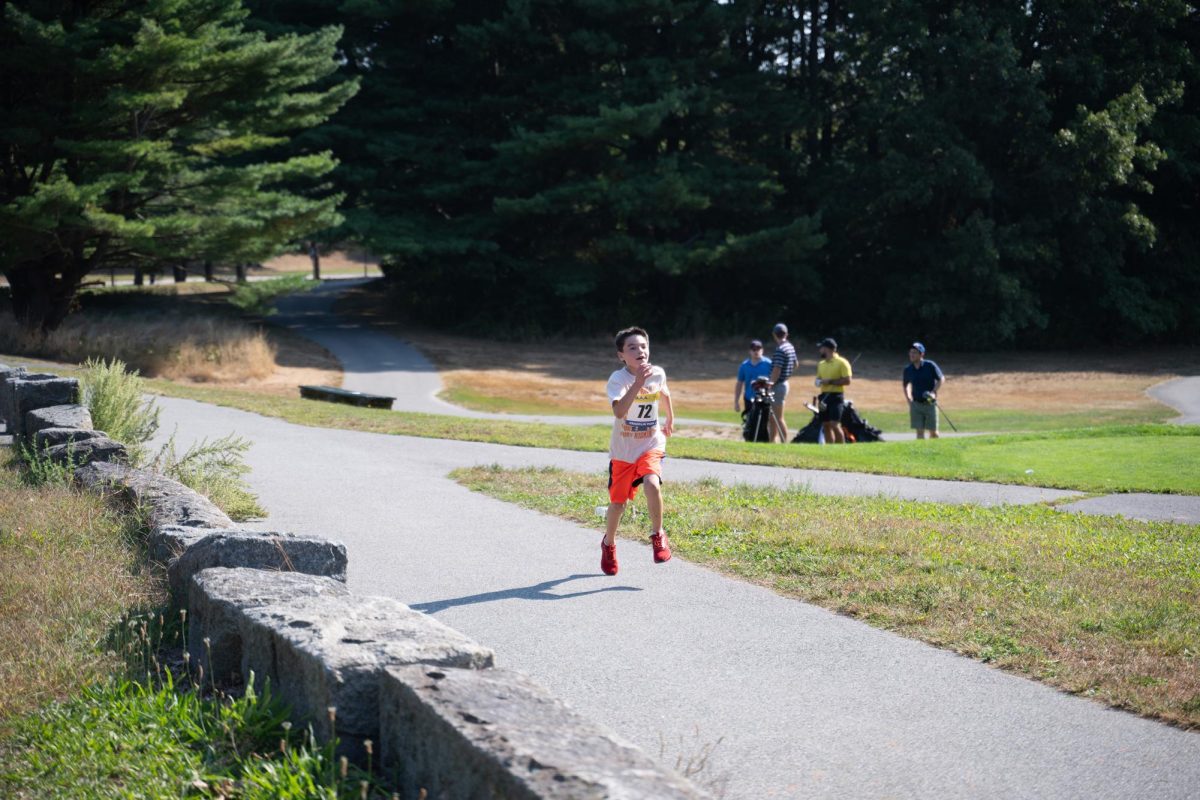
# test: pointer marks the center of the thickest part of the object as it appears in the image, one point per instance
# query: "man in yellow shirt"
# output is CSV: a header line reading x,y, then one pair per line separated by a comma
x,y
833,376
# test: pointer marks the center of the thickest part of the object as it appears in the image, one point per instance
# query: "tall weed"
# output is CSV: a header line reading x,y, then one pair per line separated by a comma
x,y
215,469
114,396
41,470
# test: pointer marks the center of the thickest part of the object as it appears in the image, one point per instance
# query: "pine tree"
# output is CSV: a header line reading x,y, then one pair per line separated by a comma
x,y
141,133
552,164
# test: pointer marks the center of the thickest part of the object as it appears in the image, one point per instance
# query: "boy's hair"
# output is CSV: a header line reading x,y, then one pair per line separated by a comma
x,y
625,334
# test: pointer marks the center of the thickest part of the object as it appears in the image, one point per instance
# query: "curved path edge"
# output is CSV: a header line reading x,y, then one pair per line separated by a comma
x,y
379,363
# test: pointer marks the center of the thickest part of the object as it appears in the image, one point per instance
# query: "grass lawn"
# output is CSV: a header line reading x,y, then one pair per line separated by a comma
x,y
978,420
72,725
967,419
1136,458
1103,607
1149,458
68,569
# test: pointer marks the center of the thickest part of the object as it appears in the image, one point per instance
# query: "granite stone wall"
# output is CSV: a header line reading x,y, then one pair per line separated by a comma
x,y
274,607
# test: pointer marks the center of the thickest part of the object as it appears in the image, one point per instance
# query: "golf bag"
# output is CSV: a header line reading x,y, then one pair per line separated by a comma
x,y
810,433
858,429
756,419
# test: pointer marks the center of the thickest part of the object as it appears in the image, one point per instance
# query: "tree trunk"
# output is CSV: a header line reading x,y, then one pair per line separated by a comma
x,y
139,277
181,273
315,254
208,271
240,272
43,292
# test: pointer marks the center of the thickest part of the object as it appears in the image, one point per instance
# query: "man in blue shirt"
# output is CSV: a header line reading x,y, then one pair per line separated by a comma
x,y
753,367
922,380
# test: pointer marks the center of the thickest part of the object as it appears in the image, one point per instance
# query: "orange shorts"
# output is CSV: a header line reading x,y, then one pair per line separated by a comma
x,y
624,478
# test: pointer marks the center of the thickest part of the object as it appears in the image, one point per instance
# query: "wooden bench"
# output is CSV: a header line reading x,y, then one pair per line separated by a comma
x,y
332,394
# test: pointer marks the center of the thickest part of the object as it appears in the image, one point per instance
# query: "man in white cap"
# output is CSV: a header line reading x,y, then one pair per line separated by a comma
x,y
783,364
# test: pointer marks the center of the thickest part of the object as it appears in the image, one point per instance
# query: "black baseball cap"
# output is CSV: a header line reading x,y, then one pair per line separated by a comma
x,y
828,342
780,328
756,344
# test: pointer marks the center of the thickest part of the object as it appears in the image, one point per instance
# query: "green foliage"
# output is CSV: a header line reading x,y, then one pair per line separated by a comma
x,y
127,738
145,134
40,470
258,297
215,469
115,397
982,174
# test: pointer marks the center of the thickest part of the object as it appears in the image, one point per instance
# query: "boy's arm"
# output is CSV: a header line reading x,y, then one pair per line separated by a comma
x,y
668,412
621,407
737,395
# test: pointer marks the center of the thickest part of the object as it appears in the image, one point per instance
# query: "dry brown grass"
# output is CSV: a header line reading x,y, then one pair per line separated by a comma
x,y
338,262
568,375
175,347
68,570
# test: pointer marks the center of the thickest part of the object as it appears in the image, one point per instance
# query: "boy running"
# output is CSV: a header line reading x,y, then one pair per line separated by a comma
x,y
638,442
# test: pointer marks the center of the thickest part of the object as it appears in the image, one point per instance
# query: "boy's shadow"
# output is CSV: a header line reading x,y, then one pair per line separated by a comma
x,y
539,591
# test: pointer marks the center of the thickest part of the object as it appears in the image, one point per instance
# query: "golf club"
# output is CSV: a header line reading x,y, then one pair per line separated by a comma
x,y
939,408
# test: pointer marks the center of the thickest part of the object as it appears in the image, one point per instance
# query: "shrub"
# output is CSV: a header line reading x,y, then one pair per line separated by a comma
x,y
259,297
114,396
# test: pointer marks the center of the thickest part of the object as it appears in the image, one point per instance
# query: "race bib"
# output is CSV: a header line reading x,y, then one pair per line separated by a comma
x,y
643,414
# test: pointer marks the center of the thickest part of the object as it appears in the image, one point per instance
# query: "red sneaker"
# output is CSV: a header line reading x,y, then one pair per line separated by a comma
x,y
608,558
662,550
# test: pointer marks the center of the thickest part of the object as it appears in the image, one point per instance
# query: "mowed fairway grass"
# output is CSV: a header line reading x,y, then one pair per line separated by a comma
x,y
1102,607
1098,459
1140,458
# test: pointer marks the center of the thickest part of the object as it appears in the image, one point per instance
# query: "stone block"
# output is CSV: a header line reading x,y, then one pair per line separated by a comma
x,y
496,733
218,598
281,552
49,437
168,502
7,375
71,415
330,652
167,543
31,392
86,451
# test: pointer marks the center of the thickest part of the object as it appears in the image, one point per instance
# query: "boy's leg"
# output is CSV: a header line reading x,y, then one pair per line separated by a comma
x,y
654,503
611,520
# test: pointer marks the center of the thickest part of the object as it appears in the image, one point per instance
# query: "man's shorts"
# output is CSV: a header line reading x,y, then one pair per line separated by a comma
x,y
923,416
781,392
834,403
625,478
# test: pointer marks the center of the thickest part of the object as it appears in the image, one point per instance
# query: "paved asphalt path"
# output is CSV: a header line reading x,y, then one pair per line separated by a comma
x,y
795,701
1182,394
376,362
379,363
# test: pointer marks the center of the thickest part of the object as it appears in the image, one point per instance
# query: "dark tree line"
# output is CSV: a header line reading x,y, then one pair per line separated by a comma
x,y
977,173
983,174
149,133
